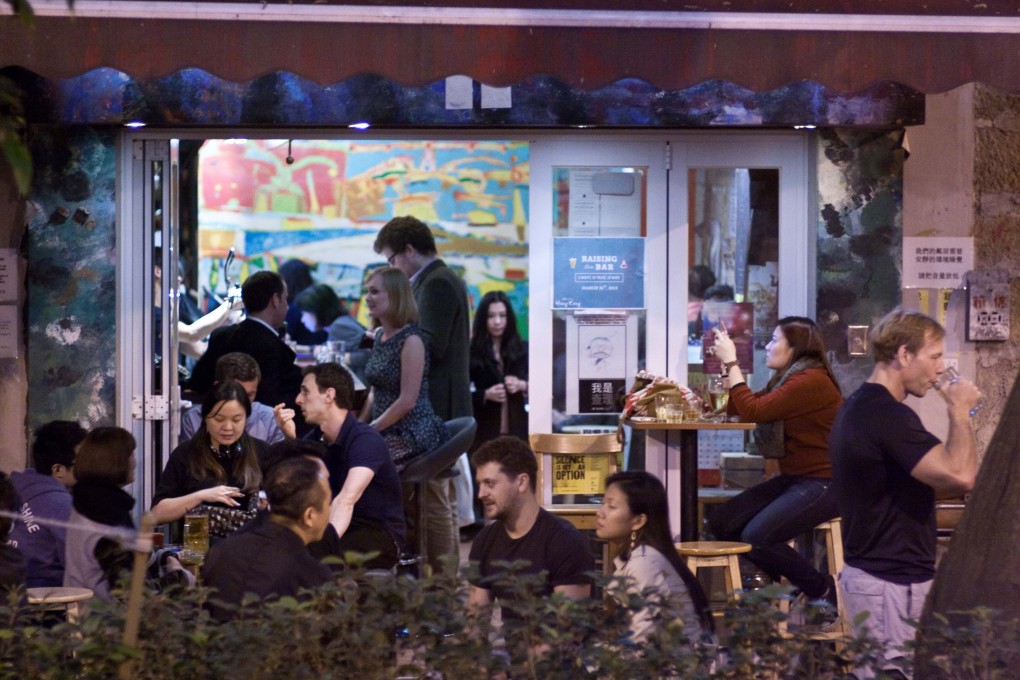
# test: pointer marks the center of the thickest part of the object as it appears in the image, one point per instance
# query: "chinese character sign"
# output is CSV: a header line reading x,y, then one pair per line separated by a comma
x,y
988,305
937,261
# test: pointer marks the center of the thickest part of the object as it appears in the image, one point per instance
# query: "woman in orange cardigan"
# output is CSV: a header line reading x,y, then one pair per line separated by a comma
x,y
795,412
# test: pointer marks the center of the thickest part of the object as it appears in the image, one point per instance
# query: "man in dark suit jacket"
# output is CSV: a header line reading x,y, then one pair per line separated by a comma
x,y
407,244
265,300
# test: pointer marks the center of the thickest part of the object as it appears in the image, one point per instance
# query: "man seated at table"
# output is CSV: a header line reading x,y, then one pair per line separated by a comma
x,y
265,302
367,510
45,494
272,559
507,472
244,370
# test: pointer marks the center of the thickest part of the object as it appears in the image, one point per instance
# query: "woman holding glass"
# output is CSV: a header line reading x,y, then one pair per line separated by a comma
x,y
398,405
795,413
219,468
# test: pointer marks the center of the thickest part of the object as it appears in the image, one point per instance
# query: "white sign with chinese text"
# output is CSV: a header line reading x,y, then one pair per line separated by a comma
x,y
937,261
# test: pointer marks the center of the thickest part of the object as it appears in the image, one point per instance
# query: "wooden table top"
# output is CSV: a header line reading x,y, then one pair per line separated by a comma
x,y
688,425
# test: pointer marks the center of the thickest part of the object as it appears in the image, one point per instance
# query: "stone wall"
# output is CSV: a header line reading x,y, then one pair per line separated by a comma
x,y
997,239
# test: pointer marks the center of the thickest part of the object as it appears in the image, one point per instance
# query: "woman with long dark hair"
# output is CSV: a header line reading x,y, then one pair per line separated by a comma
x,y
220,467
794,413
634,516
499,370
322,310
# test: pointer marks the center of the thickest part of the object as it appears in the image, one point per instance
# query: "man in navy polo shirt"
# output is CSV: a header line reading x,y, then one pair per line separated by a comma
x,y
367,508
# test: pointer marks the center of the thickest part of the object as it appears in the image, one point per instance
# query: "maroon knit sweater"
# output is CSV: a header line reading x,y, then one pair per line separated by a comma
x,y
807,404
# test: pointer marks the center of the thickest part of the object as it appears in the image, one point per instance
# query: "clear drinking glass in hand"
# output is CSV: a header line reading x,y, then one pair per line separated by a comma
x,y
718,395
950,376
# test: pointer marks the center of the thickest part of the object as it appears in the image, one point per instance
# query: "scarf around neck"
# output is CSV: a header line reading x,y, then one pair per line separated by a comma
x,y
770,437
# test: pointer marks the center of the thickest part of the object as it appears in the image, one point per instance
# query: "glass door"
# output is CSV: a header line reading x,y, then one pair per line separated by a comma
x,y
147,395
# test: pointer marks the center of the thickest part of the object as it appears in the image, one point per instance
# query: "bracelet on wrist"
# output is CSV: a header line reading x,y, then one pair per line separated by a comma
x,y
728,365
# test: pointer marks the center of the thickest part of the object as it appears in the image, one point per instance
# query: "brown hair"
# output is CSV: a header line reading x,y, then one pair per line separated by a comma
x,y
513,456
805,339
237,366
404,231
902,328
333,375
403,308
105,456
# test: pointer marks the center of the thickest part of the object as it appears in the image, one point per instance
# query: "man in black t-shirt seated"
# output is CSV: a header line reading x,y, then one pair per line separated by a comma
x,y
507,474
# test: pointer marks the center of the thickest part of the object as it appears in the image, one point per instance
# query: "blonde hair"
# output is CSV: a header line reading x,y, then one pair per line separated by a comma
x,y
902,328
403,309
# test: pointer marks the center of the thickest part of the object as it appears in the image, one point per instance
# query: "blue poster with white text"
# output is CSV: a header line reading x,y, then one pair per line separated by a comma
x,y
603,273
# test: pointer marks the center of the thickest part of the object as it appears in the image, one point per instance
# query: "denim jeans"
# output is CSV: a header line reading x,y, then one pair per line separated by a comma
x,y
772,513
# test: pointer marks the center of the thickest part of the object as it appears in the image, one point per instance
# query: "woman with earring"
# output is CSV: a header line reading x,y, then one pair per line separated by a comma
x,y
634,517
220,467
794,413
398,405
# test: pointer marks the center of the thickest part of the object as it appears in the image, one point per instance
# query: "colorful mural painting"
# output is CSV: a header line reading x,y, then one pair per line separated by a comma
x,y
326,204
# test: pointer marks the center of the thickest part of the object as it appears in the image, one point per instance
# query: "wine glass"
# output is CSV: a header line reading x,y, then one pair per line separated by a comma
x,y
718,396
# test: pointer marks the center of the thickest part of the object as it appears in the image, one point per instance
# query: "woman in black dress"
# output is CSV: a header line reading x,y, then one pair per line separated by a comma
x,y
499,370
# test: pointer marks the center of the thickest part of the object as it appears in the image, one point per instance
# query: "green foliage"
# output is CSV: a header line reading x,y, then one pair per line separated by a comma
x,y
370,626
12,135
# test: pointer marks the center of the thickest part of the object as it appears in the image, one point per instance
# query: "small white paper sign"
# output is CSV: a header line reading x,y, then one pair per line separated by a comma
x,y
495,97
937,261
8,275
459,92
8,331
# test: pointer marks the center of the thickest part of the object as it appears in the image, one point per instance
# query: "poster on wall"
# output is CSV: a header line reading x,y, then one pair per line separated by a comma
x,y
579,475
988,305
738,318
598,273
8,275
937,261
8,331
601,352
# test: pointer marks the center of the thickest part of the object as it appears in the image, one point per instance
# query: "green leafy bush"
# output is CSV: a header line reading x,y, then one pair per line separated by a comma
x,y
368,626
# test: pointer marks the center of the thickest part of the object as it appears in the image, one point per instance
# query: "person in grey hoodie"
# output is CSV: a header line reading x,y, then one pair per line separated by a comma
x,y
45,494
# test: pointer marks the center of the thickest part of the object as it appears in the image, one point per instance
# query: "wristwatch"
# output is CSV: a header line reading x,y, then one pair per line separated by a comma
x,y
727,366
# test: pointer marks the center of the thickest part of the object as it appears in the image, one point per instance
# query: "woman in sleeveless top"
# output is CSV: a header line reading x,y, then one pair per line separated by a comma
x,y
398,405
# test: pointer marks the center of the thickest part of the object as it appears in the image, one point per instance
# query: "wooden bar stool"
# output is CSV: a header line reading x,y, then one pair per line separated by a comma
x,y
724,554
840,630
57,598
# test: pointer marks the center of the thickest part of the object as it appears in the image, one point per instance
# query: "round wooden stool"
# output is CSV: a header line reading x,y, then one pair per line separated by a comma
x,y
704,554
59,598
831,531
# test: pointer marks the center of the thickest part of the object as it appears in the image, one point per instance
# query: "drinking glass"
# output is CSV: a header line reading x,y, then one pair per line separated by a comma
x,y
718,396
196,536
669,408
949,377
